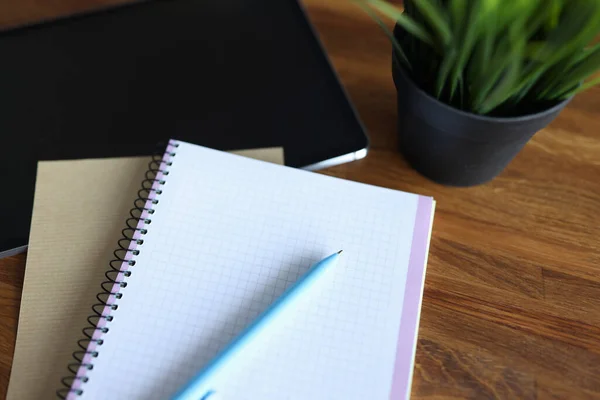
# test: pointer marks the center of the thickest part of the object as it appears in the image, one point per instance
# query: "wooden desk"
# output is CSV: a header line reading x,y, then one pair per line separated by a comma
x,y
512,300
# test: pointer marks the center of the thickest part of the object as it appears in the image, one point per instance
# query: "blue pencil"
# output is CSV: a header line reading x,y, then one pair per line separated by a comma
x,y
198,388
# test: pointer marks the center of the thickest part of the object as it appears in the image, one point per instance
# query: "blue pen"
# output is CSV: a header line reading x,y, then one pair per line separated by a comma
x,y
199,387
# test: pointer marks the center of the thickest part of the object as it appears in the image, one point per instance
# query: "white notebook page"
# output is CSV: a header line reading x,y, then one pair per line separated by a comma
x,y
228,236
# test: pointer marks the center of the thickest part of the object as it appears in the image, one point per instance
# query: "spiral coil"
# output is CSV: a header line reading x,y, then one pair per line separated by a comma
x,y
139,219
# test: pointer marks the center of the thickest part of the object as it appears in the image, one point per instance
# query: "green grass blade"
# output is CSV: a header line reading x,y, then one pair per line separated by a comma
x,y
401,19
521,92
586,55
458,10
533,50
461,92
512,54
483,48
445,68
468,35
586,68
582,88
554,8
491,56
399,50
435,16
577,27
539,18
503,89
483,83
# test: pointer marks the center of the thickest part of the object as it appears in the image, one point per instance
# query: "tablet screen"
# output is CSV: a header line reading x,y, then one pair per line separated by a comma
x,y
227,74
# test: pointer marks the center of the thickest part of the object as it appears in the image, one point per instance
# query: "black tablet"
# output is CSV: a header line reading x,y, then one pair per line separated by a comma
x,y
227,74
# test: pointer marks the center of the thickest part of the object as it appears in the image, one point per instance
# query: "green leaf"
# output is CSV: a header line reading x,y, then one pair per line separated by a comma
x,y
539,17
578,25
458,10
491,55
555,8
506,86
521,92
533,50
461,92
445,68
401,19
468,35
435,16
404,60
484,82
580,72
503,89
582,88
583,54
484,47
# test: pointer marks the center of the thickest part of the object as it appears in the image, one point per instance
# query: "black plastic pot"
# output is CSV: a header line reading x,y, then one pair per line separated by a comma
x,y
456,148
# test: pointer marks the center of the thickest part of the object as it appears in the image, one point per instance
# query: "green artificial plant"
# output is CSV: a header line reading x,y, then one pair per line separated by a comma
x,y
496,57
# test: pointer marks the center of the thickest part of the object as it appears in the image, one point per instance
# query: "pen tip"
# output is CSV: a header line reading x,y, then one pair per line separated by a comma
x,y
340,252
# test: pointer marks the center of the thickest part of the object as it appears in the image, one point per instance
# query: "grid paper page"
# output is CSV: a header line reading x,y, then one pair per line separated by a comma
x,y
228,236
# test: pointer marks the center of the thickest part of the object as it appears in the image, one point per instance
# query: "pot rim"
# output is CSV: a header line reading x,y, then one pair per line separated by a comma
x,y
466,114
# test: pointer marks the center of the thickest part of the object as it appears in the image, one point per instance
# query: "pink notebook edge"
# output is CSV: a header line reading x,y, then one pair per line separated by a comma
x,y
413,297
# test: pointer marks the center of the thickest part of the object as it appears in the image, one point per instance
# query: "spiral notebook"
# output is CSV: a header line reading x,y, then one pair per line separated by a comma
x,y
70,197
213,240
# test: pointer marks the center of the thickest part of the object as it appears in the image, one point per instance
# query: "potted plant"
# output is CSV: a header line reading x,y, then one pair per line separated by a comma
x,y
476,79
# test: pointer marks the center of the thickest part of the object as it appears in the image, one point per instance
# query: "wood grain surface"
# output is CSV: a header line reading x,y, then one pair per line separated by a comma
x,y
512,298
